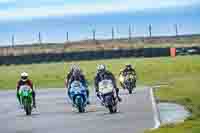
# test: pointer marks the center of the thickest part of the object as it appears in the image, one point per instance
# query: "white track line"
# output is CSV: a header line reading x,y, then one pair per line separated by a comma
x,y
155,110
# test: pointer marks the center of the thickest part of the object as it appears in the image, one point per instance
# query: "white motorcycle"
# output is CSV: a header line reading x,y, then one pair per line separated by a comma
x,y
108,95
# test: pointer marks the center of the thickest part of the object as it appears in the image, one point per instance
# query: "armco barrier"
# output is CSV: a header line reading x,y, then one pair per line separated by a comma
x,y
188,51
86,55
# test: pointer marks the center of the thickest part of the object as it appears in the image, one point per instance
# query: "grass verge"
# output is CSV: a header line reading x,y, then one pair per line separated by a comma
x,y
181,73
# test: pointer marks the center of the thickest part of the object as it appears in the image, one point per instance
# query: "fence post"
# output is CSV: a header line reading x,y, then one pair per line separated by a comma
x,y
67,36
11,51
113,33
176,29
39,38
130,32
94,34
150,30
13,41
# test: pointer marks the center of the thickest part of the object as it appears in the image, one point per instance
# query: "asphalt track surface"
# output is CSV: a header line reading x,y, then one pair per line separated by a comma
x,y
54,114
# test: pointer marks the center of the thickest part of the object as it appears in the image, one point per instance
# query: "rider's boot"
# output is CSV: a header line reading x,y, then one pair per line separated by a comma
x,y
88,100
118,97
101,100
19,100
34,103
122,85
134,83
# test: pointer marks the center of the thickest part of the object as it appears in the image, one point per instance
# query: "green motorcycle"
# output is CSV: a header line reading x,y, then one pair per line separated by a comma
x,y
25,93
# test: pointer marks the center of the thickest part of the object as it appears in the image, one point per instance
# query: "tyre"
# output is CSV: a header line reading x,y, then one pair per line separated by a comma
x,y
115,109
28,111
27,107
111,109
81,108
131,87
130,91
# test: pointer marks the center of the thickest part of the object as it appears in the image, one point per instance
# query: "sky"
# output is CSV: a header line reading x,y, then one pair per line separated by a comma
x,y
53,18
29,9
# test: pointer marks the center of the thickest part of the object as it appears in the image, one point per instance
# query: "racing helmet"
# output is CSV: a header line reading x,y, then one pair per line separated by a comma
x,y
101,68
73,66
76,71
24,76
128,66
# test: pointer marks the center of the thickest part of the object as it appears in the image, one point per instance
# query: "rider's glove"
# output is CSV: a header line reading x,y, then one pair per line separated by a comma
x,y
98,94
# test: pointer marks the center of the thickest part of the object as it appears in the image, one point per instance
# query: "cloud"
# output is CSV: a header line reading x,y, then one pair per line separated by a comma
x,y
152,4
82,8
7,1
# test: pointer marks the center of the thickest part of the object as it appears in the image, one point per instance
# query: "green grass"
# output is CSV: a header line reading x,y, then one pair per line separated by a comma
x,y
181,73
43,75
184,89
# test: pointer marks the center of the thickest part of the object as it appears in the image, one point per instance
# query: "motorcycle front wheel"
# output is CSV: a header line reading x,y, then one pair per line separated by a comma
x,y
27,107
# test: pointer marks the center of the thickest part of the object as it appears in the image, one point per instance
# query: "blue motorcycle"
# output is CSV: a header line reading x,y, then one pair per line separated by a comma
x,y
78,95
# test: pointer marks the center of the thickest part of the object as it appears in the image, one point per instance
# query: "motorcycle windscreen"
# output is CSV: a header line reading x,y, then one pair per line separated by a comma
x,y
106,86
75,90
77,87
26,93
24,90
130,76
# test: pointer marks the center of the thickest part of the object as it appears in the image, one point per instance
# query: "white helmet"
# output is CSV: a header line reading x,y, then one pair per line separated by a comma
x,y
72,67
24,76
101,67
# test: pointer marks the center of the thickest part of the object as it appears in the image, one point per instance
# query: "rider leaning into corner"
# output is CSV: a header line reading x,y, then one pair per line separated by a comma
x,y
76,74
128,69
25,81
103,74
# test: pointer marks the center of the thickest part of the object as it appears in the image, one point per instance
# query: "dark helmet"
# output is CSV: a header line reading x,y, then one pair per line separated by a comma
x,y
128,66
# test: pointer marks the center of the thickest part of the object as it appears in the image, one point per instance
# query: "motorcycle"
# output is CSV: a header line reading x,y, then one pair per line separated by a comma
x,y
108,95
78,95
129,82
25,93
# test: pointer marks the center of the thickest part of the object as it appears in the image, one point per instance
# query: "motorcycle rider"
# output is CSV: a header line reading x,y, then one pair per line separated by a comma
x,y
25,81
129,69
103,74
69,74
79,76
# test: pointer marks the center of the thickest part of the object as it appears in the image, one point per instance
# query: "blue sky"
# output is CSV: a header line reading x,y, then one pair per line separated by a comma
x,y
28,9
53,18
